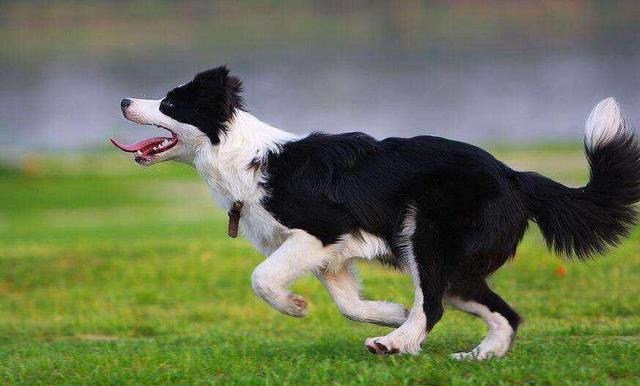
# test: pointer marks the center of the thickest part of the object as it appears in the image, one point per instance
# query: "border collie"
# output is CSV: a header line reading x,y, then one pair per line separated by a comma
x,y
445,212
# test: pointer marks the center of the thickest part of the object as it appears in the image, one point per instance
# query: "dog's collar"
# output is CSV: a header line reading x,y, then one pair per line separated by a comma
x,y
234,218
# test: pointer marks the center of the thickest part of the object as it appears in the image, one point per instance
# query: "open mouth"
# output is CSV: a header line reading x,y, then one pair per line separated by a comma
x,y
146,149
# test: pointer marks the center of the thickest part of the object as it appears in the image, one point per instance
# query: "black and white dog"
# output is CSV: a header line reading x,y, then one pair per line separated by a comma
x,y
446,212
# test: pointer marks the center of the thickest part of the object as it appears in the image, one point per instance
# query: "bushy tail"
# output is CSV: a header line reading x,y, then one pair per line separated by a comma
x,y
585,221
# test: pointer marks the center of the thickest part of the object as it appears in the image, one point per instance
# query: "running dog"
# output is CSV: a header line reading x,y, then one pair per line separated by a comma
x,y
445,212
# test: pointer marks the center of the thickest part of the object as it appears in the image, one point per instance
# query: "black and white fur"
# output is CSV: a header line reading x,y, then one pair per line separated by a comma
x,y
447,213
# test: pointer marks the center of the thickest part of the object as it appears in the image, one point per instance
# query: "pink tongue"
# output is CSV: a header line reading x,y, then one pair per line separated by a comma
x,y
138,145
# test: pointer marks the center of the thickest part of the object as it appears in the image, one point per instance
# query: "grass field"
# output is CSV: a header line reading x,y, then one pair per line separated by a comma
x,y
110,274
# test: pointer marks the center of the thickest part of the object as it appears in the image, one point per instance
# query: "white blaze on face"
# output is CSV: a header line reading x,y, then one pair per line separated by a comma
x,y
145,112
180,146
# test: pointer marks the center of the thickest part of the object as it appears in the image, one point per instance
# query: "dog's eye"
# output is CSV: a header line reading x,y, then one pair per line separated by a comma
x,y
167,103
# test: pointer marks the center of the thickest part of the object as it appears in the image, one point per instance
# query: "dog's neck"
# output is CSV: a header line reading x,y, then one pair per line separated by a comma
x,y
232,168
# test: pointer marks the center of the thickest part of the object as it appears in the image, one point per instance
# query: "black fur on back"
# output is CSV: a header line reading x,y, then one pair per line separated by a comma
x,y
586,221
331,185
207,102
475,208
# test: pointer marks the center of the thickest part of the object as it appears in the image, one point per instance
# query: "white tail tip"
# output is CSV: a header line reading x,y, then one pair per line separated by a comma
x,y
605,123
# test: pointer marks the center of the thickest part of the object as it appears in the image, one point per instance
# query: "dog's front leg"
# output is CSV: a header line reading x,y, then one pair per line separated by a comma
x,y
299,254
343,288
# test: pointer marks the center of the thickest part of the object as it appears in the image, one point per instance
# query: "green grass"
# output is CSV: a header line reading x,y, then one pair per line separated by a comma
x,y
110,274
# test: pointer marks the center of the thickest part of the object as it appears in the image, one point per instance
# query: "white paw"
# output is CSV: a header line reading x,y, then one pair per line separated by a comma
x,y
385,345
296,306
476,354
495,349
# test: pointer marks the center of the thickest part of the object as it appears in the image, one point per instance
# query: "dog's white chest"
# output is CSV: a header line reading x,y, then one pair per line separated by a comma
x,y
262,229
256,224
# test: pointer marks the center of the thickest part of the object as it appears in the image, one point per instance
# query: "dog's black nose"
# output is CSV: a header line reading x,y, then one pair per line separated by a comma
x,y
125,103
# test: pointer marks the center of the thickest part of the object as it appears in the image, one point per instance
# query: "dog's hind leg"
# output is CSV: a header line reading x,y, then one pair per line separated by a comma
x,y
427,310
342,285
428,277
475,297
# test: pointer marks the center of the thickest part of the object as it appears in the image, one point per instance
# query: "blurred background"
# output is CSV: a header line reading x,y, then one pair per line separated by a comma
x,y
114,274
482,71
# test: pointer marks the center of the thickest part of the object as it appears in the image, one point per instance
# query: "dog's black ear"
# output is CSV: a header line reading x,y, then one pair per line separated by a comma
x,y
219,97
221,88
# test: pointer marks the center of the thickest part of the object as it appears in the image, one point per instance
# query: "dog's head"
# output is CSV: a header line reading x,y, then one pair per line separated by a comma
x,y
194,113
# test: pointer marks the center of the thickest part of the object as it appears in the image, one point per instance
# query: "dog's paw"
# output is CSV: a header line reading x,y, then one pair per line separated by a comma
x,y
474,354
379,348
383,345
478,354
297,306
493,346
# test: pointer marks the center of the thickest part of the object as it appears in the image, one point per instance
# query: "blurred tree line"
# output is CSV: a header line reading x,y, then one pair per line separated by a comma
x,y
33,28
